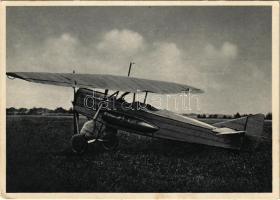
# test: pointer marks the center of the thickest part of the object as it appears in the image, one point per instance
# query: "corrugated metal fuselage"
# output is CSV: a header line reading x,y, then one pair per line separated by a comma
x,y
173,128
160,124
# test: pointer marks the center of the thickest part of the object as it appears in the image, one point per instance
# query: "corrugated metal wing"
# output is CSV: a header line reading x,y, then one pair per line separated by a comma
x,y
102,81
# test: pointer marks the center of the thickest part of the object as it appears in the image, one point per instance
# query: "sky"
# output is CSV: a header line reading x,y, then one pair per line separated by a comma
x,y
225,51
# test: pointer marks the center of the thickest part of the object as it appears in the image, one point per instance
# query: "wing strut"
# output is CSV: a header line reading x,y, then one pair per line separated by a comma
x,y
130,65
133,97
75,115
146,94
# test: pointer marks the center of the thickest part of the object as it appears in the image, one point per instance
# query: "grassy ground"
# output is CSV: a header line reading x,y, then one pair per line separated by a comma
x,y
39,159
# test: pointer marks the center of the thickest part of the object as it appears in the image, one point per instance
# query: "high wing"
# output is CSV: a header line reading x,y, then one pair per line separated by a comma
x,y
102,81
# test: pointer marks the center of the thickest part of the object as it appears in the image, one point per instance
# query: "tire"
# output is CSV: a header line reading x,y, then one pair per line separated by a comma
x,y
110,142
79,143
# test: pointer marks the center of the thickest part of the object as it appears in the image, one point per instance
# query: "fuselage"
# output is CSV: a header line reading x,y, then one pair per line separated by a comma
x,y
148,121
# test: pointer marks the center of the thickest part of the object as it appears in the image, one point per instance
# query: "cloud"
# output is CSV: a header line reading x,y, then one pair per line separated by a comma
x,y
54,54
229,50
160,60
218,59
164,61
168,54
60,52
121,42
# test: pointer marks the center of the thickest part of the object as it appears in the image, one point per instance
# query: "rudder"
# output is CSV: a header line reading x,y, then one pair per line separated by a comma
x,y
254,130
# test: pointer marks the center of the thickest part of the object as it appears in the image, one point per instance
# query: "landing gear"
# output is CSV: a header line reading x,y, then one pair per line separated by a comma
x,y
93,130
79,143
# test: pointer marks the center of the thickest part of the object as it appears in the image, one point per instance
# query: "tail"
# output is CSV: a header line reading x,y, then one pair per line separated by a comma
x,y
252,125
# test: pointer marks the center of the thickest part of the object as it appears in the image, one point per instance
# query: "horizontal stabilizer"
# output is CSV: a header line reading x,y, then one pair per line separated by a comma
x,y
251,125
226,131
235,124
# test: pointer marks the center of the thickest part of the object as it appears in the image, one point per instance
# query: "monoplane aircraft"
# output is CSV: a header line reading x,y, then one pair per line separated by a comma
x,y
109,112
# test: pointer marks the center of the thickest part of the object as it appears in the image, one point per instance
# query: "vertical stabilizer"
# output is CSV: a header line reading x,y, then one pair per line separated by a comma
x,y
252,125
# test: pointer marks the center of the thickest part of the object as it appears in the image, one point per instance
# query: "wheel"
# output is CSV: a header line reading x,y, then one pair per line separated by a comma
x,y
110,142
79,143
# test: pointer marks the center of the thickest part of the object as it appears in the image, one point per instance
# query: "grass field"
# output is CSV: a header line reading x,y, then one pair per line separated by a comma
x,y
39,159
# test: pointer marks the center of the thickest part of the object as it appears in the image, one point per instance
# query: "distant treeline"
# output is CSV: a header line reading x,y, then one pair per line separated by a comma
x,y
62,111
222,116
37,111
